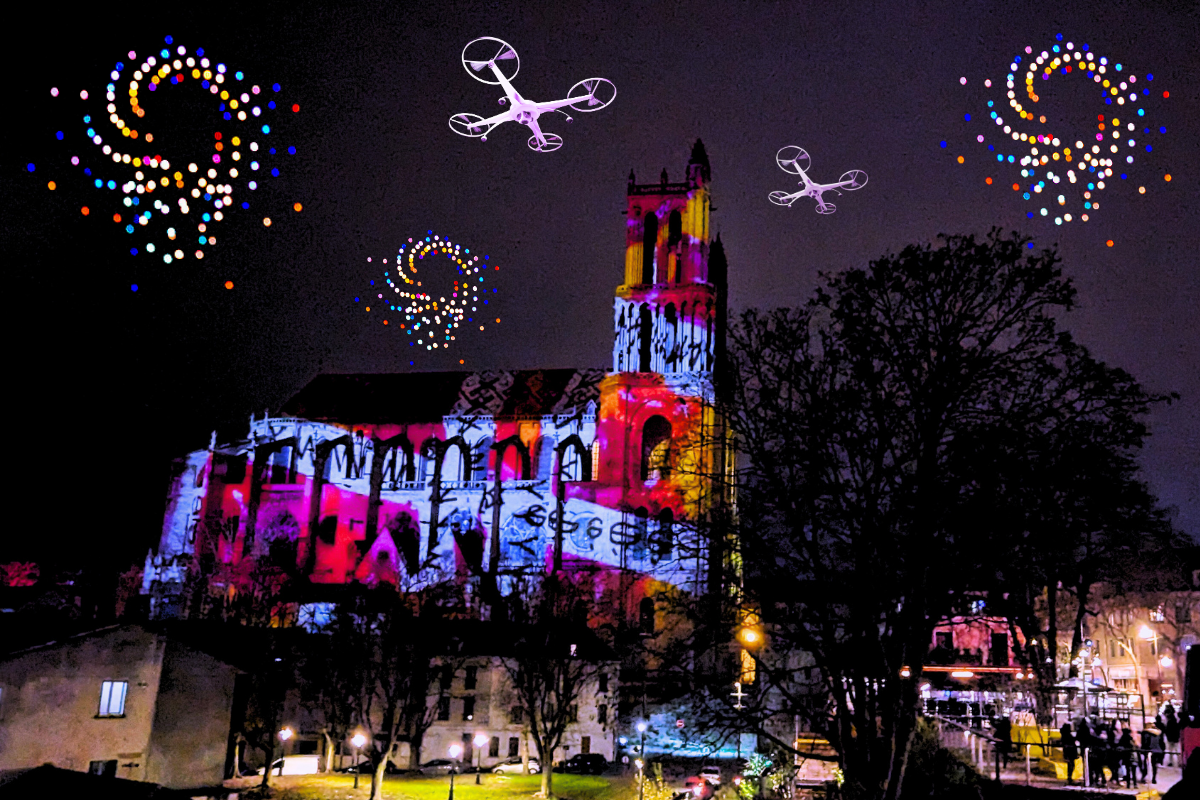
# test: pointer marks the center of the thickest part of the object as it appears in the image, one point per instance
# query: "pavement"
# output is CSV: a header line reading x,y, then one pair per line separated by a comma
x,y
1015,774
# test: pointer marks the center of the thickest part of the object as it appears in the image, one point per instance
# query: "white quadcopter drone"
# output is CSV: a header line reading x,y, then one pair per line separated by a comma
x,y
596,93
794,160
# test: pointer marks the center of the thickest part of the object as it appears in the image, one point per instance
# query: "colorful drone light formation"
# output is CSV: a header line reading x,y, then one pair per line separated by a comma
x,y
139,185
1053,164
432,318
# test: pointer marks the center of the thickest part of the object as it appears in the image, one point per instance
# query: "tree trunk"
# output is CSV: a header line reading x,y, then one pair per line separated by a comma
x,y
377,779
270,751
328,767
547,765
414,751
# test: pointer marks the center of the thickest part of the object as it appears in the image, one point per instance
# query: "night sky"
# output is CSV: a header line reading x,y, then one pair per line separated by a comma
x,y
107,385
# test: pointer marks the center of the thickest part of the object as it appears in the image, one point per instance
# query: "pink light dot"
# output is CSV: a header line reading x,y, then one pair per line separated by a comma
x,y
83,95
988,83
54,92
963,81
368,259
132,55
979,138
75,161
216,159
1028,49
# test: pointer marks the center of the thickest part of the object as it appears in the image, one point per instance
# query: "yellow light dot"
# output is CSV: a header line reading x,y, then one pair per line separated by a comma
x,y
52,185
1141,190
497,319
961,159
266,222
368,308
1167,178
298,207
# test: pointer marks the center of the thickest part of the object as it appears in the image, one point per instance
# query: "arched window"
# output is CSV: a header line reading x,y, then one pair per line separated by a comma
x,y
397,467
480,459
544,452
646,616
674,237
281,466
645,329
656,448
428,460
649,244
672,330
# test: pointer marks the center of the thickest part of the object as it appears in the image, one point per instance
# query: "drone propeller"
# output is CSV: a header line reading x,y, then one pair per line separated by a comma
x,y
478,65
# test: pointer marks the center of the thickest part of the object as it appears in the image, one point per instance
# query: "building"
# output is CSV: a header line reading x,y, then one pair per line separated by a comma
x,y
124,701
473,477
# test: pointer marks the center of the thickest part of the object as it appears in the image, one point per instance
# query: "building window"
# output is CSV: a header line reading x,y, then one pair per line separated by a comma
x,y
649,245
105,769
603,680
514,747
656,448
602,714
1183,613
998,652
443,712
517,715
468,709
595,474
646,615
944,640
544,452
494,747
573,713
645,333
470,678
112,698
447,678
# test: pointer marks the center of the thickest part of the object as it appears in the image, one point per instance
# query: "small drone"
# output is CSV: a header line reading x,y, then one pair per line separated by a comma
x,y
489,52
794,160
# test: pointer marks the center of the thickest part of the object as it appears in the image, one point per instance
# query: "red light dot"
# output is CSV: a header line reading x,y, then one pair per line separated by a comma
x,y
228,284
988,181
217,136
295,107
1166,94
116,217
1016,187
85,210
1109,242
385,322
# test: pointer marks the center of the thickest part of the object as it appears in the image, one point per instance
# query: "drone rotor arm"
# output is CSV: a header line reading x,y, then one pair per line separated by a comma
x,y
555,105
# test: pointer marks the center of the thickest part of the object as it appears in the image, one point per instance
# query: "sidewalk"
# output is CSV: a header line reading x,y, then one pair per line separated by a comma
x,y
1015,775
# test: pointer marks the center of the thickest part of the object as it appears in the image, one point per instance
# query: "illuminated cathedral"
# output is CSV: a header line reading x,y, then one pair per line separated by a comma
x,y
475,478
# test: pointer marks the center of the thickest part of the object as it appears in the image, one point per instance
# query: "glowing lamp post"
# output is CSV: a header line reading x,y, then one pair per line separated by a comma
x,y
455,752
480,741
358,740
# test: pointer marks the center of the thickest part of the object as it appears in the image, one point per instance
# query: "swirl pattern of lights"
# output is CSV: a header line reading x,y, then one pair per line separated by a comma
x,y
1063,175
432,317
146,191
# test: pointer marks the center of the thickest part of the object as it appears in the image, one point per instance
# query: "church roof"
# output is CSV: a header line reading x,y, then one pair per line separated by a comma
x,y
413,397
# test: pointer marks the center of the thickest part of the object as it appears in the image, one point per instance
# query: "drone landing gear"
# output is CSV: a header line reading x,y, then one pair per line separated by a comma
x,y
782,198
826,208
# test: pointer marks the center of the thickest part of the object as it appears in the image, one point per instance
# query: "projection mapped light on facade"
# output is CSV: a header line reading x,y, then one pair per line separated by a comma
x,y
138,168
431,301
1059,168
478,479
796,161
499,58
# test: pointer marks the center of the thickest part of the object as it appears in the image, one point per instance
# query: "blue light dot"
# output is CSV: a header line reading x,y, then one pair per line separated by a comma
x,y
238,74
275,87
1085,48
133,287
169,39
274,173
112,184
1149,77
30,166
245,205
967,117
1162,130
292,148
356,299
1118,67
266,128
1141,112
1124,176
1149,148
165,53
991,148
272,151
133,252
1059,38
59,136
205,84
99,183
199,51
372,283
205,217
1030,215
271,104
943,144
1108,101
228,115
129,229
1031,245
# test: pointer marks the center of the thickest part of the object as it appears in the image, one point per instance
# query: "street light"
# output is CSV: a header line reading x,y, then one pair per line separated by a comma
x,y
455,752
358,740
480,741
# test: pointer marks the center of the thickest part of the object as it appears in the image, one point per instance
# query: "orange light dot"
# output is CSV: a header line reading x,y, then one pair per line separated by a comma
x,y
461,361
116,217
52,186
1016,187
1109,243
385,322
368,308
85,210
298,207
266,222
497,319
961,159
988,181
1167,177
1141,190
228,284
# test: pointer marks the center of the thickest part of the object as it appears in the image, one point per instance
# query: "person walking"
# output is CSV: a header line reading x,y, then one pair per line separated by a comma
x,y
1153,741
1070,750
1127,757
1002,730
1171,730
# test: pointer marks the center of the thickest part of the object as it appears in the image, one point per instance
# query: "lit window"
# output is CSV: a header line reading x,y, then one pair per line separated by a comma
x,y
112,698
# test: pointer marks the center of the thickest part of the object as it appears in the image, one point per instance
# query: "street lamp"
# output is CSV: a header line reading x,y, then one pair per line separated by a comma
x,y
455,752
480,741
358,740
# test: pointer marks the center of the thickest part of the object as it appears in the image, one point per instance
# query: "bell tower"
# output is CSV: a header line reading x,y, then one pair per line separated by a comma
x,y
668,313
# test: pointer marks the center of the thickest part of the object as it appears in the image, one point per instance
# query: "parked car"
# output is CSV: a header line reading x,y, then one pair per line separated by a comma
x,y
585,764
513,765
294,765
364,768
693,788
440,766
712,774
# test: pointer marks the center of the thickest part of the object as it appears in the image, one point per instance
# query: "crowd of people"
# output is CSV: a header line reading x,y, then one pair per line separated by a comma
x,y
1116,752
